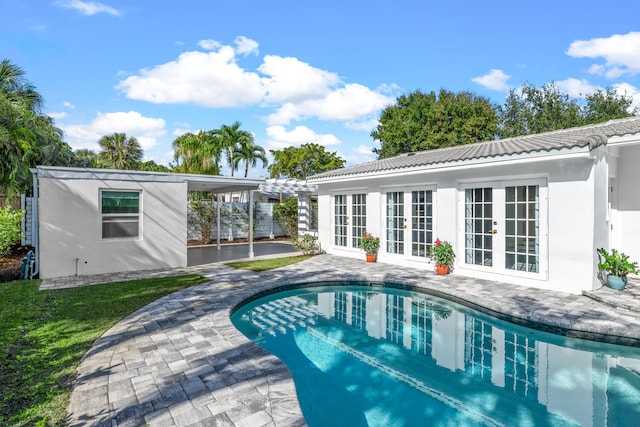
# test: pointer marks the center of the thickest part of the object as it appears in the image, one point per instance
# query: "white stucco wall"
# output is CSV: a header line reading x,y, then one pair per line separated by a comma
x,y
626,223
571,194
70,228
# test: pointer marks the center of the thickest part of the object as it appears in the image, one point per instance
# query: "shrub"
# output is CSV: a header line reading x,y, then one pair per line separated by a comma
x,y
287,215
10,231
308,244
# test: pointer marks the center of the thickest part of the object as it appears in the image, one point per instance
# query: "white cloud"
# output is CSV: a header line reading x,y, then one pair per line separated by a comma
x,y
180,131
349,103
619,51
56,116
291,80
577,88
279,137
290,88
88,7
68,104
366,124
210,44
211,79
629,91
363,154
245,46
494,79
145,129
364,149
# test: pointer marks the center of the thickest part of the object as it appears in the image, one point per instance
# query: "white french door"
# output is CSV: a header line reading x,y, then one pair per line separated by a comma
x,y
409,222
349,219
504,227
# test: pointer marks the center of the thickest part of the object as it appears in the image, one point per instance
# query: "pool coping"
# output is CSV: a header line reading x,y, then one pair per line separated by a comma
x,y
180,361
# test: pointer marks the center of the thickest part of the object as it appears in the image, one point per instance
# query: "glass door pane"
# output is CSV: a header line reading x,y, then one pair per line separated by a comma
x,y
395,222
522,228
478,217
340,219
358,218
421,222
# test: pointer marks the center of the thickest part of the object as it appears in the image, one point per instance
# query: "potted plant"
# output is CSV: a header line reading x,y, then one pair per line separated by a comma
x,y
617,266
370,245
442,255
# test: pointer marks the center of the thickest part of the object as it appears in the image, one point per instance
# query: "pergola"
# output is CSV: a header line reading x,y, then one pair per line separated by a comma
x,y
225,185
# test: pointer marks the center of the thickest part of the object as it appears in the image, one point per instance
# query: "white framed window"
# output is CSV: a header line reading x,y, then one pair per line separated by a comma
x,y
120,214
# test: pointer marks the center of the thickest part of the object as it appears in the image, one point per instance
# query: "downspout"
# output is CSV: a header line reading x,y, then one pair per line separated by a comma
x,y
36,222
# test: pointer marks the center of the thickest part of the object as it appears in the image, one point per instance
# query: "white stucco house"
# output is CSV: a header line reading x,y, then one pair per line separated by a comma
x,y
529,210
95,221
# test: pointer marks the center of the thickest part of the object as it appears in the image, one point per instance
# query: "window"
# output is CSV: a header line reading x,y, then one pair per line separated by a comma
x,y
395,222
478,226
359,216
340,220
421,222
522,228
120,214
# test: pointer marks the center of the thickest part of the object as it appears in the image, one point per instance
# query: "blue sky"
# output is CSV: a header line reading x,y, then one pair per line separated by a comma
x,y
295,72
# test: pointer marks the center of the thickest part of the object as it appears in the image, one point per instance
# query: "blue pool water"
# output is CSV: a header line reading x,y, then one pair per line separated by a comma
x,y
373,356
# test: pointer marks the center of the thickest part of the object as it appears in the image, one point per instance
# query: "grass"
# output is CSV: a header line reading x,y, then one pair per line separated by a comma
x,y
268,264
44,334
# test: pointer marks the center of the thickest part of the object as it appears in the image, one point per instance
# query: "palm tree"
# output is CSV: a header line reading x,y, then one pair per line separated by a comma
x,y
27,137
198,153
17,88
120,151
85,158
250,153
231,139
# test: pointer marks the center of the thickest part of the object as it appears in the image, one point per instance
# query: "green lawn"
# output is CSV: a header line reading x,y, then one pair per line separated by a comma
x,y
44,334
268,264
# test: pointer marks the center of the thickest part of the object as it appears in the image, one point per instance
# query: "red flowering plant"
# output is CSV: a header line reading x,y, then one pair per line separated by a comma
x,y
369,243
442,252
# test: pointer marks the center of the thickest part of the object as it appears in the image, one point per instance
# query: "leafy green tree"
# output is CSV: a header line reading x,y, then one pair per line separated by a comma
x,y
301,162
250,153
607,104
120,151
424,121
530,109
231,139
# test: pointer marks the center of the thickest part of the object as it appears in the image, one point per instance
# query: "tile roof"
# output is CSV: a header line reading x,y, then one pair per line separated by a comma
x,y
591,136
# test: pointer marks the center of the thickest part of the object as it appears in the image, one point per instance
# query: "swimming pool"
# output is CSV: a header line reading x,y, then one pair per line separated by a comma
x,y
377,356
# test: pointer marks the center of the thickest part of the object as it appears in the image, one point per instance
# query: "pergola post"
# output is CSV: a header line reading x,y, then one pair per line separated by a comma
x,y
251,254
218,221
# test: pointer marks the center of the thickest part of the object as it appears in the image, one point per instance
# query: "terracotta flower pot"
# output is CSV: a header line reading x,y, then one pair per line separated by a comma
x,y
372,257
442,269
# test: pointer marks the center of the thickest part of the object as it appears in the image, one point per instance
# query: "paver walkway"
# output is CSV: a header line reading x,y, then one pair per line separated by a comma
x,y
179,361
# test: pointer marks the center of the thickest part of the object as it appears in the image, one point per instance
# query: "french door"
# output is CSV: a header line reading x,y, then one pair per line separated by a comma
x,y
349,219
409,222
505,227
